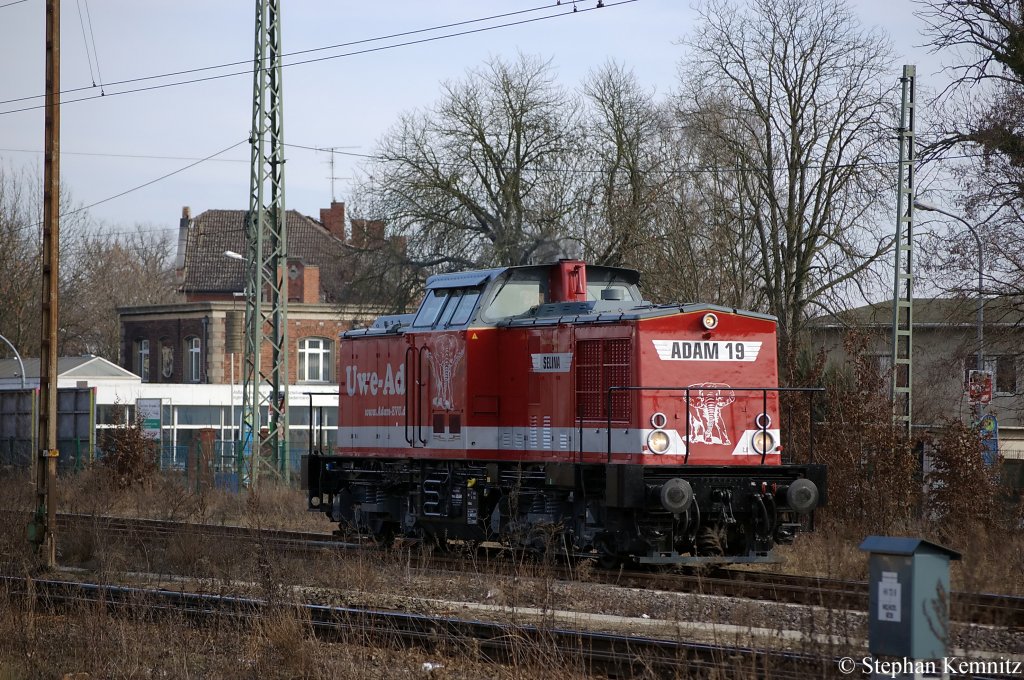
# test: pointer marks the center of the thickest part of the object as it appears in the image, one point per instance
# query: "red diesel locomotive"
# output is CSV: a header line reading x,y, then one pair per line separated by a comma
x,y
551,407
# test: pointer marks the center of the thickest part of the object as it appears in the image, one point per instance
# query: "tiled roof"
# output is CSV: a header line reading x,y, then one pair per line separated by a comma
x,y
938,311
207,270
85,366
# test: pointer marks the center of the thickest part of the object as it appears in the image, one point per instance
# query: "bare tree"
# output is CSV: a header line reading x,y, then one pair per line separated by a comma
x,y
627,156
477,180
708,250
102,271
19,262
982,136
797,92
98,273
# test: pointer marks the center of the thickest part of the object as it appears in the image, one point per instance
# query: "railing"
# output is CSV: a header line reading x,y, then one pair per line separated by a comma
x,y
222,466
764,424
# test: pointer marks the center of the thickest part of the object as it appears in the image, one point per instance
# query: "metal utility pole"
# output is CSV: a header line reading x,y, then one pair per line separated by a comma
x,y
903,285
266,285
43,529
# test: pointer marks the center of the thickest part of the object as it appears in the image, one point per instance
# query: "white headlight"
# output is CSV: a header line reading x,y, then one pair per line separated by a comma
x,y
658,441
709,321
762,441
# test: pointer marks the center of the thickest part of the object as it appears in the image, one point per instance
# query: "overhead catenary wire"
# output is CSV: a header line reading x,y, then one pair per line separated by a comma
x,y
676,170
85,40
249,71
140,186
214,158
95,53
171,74
140,156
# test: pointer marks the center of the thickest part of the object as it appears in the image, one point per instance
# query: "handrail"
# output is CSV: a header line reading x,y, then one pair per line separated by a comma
x,y
419,393
764,421
810,391
411,379
686,456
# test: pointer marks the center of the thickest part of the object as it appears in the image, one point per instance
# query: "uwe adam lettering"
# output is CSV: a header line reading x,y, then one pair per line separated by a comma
x,y
369,382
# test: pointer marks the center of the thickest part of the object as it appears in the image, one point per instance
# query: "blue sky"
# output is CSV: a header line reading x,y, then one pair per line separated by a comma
x,y
115,142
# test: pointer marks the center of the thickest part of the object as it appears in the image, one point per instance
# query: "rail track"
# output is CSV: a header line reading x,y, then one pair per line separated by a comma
x,y
611,654
981,608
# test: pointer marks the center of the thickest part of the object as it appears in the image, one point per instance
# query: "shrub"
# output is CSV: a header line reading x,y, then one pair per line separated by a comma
x,y
873,486
129,456
963,489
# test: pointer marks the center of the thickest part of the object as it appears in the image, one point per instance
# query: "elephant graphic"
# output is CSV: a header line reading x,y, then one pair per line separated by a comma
x,y
706,403
444,360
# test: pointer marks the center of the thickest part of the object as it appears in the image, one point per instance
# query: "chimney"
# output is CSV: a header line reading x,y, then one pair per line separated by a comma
x,y
333,219
183,227
367,232
311,284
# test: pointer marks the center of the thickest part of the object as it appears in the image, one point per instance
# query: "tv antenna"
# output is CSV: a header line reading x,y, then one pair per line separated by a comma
x,y
330,161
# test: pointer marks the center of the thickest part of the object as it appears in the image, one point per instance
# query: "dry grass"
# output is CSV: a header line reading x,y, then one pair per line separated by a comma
x,y
990,562
86,643
281,645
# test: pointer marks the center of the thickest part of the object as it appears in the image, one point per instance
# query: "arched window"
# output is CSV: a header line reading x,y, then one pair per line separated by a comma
x,y
314,360
142,359
166,360
193,359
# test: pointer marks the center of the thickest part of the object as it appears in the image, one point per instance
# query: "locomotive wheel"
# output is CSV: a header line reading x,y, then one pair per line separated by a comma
x,y
712,541
432,542
606,557
383,533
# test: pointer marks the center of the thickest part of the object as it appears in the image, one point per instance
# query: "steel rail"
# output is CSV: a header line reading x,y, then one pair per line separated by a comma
x,y
496,642
981,608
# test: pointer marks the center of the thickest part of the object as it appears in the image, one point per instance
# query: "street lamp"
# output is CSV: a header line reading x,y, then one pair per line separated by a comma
x,y
921,205
17,356
244,453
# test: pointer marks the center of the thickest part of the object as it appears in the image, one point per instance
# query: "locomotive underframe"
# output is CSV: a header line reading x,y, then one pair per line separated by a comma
x,y
612,511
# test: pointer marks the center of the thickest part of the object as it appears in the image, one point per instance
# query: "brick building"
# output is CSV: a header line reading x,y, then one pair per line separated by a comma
x,y
200,340
189,355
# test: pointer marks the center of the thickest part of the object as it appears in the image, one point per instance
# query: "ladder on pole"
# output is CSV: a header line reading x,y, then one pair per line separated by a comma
x,y
903,285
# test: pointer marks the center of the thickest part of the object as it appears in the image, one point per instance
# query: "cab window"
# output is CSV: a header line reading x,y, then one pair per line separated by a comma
x,y
431,307
523,290
446,307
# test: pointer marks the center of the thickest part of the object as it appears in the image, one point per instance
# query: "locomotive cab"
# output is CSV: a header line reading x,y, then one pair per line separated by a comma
x,y
551,407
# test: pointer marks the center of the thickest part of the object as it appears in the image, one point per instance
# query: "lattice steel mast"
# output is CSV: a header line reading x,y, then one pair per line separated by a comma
x,y
903,285
266,285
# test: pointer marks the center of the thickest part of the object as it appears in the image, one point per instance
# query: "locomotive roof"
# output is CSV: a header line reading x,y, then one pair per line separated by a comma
x,y
479,276
460,279
628,308
606,311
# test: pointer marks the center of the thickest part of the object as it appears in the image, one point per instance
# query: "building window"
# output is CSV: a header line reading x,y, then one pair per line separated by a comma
x,y
142,359
314,360
166,360
1003,369
193,362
